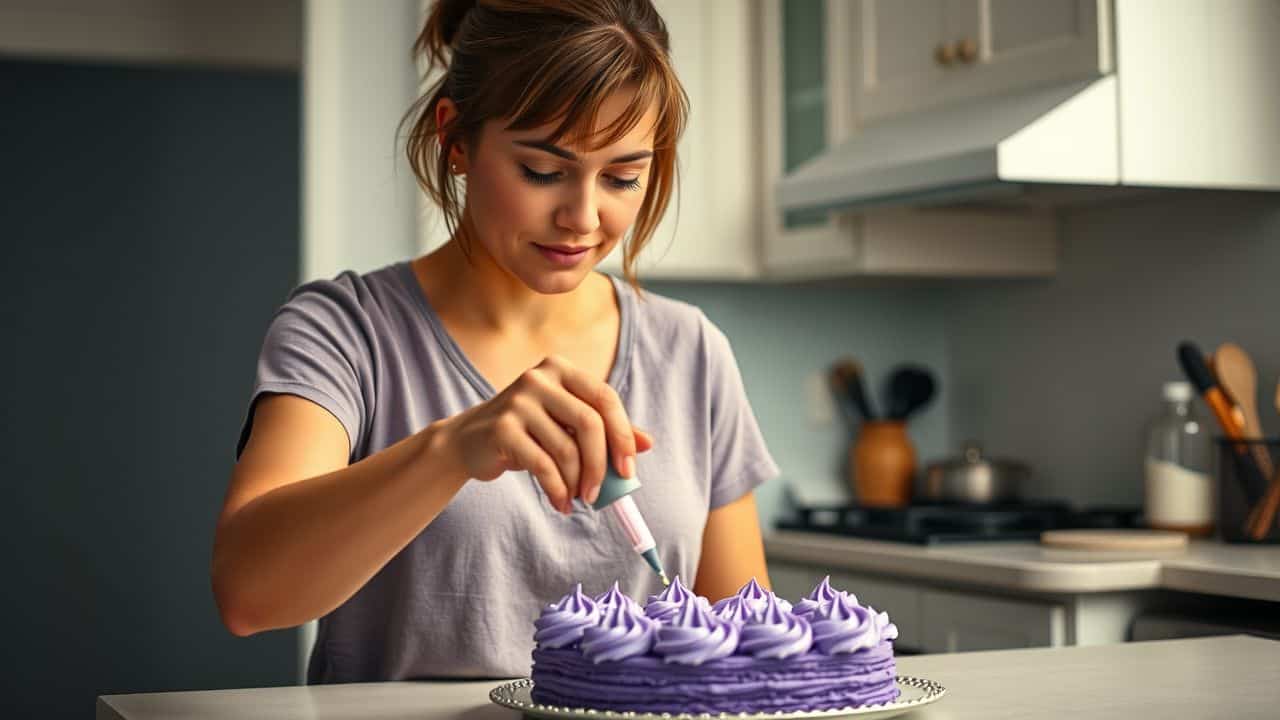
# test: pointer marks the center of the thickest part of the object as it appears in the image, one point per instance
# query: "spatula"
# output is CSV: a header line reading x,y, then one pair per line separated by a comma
x,y
1237,376
1263,515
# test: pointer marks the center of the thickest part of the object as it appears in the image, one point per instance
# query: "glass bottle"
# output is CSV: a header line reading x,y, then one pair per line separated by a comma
x,y
1178,492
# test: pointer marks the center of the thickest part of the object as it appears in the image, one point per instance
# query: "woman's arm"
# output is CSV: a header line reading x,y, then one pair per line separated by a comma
x,y
301,531
732,550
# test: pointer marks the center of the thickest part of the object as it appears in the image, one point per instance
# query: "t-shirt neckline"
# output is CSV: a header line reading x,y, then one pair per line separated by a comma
x,y
621,357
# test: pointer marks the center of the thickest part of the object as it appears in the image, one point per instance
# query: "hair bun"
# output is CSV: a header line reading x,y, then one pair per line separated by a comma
x,y
452,13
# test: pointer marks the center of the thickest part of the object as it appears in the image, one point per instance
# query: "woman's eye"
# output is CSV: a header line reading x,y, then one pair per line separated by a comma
x,y
625,184
538,178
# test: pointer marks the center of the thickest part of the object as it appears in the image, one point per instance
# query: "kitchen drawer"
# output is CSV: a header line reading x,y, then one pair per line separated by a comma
x,y
960,622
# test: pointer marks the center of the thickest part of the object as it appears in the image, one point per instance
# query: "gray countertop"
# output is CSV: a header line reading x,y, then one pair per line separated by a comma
x,y
1202,678
1245,571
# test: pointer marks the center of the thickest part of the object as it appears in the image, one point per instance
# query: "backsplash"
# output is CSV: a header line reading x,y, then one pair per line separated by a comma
x,y
1065,372
781,334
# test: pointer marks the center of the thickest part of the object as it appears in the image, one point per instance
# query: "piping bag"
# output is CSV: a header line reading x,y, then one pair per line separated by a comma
x,y
615,499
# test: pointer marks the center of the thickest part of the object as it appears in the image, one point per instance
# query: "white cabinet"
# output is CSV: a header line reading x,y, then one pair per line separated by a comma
x,y
913,54
711,228
807,105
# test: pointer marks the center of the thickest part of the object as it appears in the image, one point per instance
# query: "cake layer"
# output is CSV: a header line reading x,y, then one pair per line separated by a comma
x,y
738,683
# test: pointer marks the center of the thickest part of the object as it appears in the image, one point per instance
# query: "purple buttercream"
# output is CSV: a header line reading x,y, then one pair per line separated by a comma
x,y
735,609
564,622
694,636
623,632
821,594
614,597
844,626
775,633
756,595
665,605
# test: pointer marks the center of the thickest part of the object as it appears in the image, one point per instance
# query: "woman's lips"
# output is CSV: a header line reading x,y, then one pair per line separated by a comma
x,y
562,257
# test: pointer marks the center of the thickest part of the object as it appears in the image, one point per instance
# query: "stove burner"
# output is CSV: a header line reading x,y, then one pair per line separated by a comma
x,y
930,524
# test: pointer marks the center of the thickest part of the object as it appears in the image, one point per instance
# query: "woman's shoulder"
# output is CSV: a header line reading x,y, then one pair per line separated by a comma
x,y
350,296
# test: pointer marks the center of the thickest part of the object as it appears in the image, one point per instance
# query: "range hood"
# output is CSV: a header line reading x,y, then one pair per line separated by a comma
x,y
980,149
1194,102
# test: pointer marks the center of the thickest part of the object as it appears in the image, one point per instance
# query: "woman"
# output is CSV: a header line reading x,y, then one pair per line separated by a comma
x,y
422,440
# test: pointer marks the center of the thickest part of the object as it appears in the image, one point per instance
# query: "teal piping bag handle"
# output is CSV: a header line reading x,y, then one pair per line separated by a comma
x,y
614,487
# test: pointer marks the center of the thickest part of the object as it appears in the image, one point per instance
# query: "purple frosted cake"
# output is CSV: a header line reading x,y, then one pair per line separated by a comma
x,y
751,652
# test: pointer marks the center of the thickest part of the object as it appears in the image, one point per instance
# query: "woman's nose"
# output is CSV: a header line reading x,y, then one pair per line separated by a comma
x,y
580,214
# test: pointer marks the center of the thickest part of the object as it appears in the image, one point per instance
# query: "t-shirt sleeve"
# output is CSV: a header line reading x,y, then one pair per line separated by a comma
x,y
740,459
317,348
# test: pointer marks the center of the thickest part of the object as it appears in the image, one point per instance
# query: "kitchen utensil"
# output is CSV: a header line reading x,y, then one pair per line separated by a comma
x,y
1239,380
910,389
1264,511
1132,539
843,398
883,462
1198,372
850,371
973,478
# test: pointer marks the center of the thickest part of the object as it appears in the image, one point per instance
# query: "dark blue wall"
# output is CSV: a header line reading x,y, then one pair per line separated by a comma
x,y
149,220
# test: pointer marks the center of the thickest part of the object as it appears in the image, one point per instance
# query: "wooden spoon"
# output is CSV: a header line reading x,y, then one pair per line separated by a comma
x,y
1263,514
1238,377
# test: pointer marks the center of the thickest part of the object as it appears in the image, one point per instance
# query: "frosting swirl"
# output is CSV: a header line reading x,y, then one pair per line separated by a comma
x,y
887,630
735,609
694,636
615,597
623,632
821,594
844,626
564,622
665,605
757,596
775,633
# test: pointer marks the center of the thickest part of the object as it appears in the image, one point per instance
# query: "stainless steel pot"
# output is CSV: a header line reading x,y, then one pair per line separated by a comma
x,y
973,478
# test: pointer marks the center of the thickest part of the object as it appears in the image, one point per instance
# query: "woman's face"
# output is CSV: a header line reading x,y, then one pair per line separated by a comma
x,y
548,214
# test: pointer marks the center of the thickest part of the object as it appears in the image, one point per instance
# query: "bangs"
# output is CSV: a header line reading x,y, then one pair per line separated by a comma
x,y
571,81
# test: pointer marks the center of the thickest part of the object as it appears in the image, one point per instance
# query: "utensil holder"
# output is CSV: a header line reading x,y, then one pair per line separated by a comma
x,y
883,462
1240,465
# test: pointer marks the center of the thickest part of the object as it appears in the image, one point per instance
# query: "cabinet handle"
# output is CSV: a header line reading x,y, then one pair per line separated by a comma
x,y
968,50
945,54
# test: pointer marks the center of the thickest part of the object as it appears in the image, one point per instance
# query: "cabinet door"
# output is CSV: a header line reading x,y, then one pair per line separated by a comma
x,y
803,112
917,54
960,622
711,228
900,46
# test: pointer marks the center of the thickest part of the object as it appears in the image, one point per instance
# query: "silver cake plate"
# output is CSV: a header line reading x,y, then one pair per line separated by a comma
x,y
913,693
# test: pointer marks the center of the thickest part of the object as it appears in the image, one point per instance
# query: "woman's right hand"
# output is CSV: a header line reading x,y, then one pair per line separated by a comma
x,y
554,421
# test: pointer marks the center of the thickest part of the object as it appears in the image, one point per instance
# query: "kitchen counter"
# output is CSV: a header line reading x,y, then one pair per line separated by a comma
x,y
1187,679
1206,566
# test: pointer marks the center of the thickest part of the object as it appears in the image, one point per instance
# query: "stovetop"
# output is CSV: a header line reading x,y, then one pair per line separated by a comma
x,y
932,524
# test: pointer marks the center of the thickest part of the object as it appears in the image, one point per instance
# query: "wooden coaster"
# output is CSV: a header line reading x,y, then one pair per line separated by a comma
x,y
1136,539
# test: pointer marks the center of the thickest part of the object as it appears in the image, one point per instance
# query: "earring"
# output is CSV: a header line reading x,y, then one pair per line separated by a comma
x,y
454,168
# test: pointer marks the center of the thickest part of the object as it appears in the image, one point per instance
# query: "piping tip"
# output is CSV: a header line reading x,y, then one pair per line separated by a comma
x,y
665,581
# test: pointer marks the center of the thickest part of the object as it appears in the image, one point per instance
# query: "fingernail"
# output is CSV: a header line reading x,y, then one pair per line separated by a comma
x,y
629,466
593,494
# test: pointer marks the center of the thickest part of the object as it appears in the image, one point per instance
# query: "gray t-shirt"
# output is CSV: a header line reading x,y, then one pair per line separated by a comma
x,y
460,599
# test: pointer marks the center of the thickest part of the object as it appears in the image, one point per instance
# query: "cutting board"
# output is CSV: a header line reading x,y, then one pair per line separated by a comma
x,y
1135,539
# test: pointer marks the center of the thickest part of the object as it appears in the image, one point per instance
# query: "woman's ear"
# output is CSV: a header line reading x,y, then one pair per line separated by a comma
x,y
446,112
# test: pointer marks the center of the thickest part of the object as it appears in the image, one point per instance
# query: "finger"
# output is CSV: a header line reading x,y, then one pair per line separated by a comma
x,y
617,426
644,441
587,428
522,452
557,442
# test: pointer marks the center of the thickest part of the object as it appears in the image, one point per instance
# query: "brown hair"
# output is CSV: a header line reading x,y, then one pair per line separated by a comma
x,y
533,62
